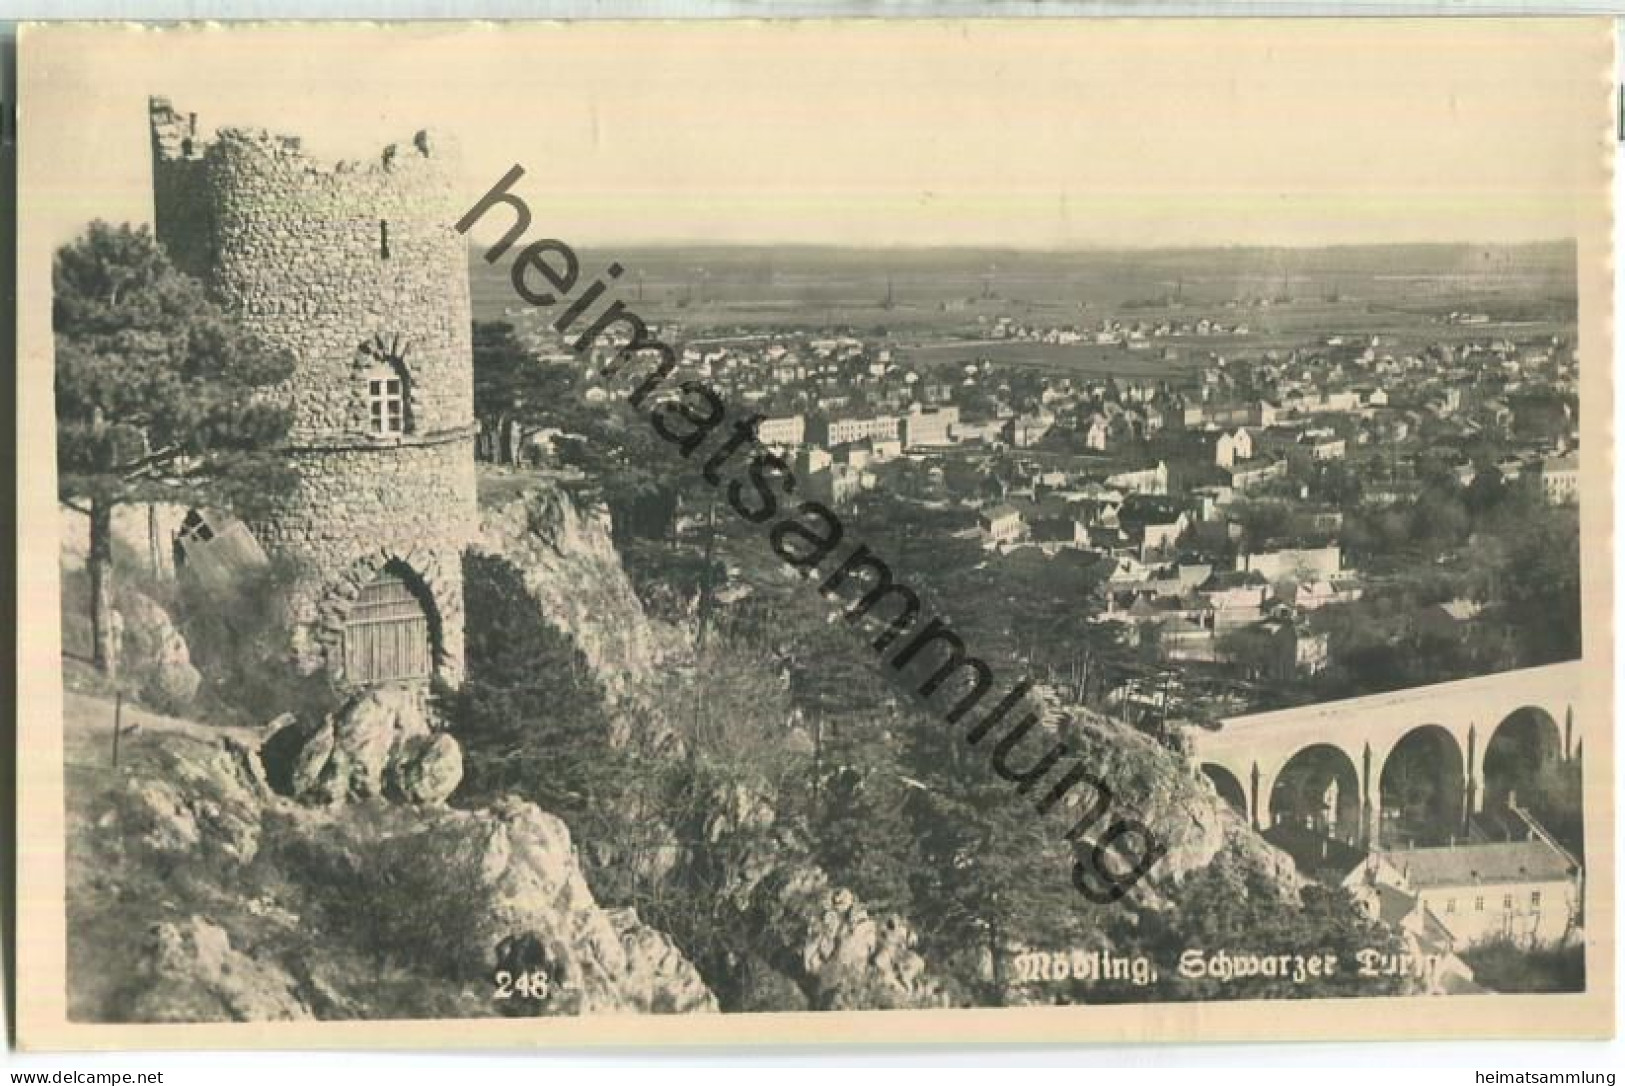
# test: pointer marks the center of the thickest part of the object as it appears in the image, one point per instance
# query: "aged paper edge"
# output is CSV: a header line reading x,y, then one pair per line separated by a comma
x,y
41,944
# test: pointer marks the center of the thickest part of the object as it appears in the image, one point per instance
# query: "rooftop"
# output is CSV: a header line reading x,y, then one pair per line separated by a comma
x,y
1534,860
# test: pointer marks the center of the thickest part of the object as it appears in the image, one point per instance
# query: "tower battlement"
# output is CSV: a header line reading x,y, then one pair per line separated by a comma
x,y
176,137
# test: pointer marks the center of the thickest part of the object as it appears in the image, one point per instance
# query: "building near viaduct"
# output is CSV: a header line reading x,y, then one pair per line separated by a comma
x,y
1384,794
355,269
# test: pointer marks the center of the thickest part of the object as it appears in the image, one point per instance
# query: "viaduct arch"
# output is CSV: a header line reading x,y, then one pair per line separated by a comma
x,y
1446,731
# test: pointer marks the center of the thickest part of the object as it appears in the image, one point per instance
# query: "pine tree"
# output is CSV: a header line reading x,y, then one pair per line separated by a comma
x,y
512,387
992,876
158,397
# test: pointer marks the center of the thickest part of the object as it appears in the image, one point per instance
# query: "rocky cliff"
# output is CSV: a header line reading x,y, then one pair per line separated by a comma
x,y
1191,821
326,867
814,935
824,946
199,892
572,571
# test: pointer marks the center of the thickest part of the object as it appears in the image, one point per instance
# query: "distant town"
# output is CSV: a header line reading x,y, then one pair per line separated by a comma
x,y
1287,495
1225,468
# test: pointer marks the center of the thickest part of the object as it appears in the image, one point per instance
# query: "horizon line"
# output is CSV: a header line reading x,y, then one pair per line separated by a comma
x,y
1070,248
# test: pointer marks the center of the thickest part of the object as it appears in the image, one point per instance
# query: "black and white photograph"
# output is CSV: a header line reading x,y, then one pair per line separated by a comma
x,y
563,531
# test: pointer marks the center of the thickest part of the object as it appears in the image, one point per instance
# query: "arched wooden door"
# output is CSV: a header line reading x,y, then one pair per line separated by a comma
x,y
388,635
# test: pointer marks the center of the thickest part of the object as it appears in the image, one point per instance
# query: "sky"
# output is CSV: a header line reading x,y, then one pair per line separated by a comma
x,y
1038,134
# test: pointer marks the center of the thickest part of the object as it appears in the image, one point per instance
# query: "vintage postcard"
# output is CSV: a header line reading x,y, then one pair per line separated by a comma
x,y
739,532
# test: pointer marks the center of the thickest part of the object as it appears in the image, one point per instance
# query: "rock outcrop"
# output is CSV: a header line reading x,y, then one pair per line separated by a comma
x,y
1191,821
813,932
570,566
531,892
259,906
190,972
1152,783
658,978
378,744
194,797
428,769
155,653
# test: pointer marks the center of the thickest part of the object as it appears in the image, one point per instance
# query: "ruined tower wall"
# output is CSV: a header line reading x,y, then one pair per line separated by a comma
x,y
180,192
354,268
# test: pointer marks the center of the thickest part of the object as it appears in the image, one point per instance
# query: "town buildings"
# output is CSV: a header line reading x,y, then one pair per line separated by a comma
x,y
1526,891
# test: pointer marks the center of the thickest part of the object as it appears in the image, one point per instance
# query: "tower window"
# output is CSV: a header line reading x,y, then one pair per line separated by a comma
x,y
383,239
386,405
193,526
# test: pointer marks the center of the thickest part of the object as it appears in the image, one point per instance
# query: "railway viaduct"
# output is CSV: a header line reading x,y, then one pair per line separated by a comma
x,y
1382,745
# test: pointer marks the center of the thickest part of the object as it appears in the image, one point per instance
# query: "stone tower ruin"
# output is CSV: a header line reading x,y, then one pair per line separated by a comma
x,y
355,269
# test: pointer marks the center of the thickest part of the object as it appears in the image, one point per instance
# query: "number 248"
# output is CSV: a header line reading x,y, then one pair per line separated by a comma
x,y
531,984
